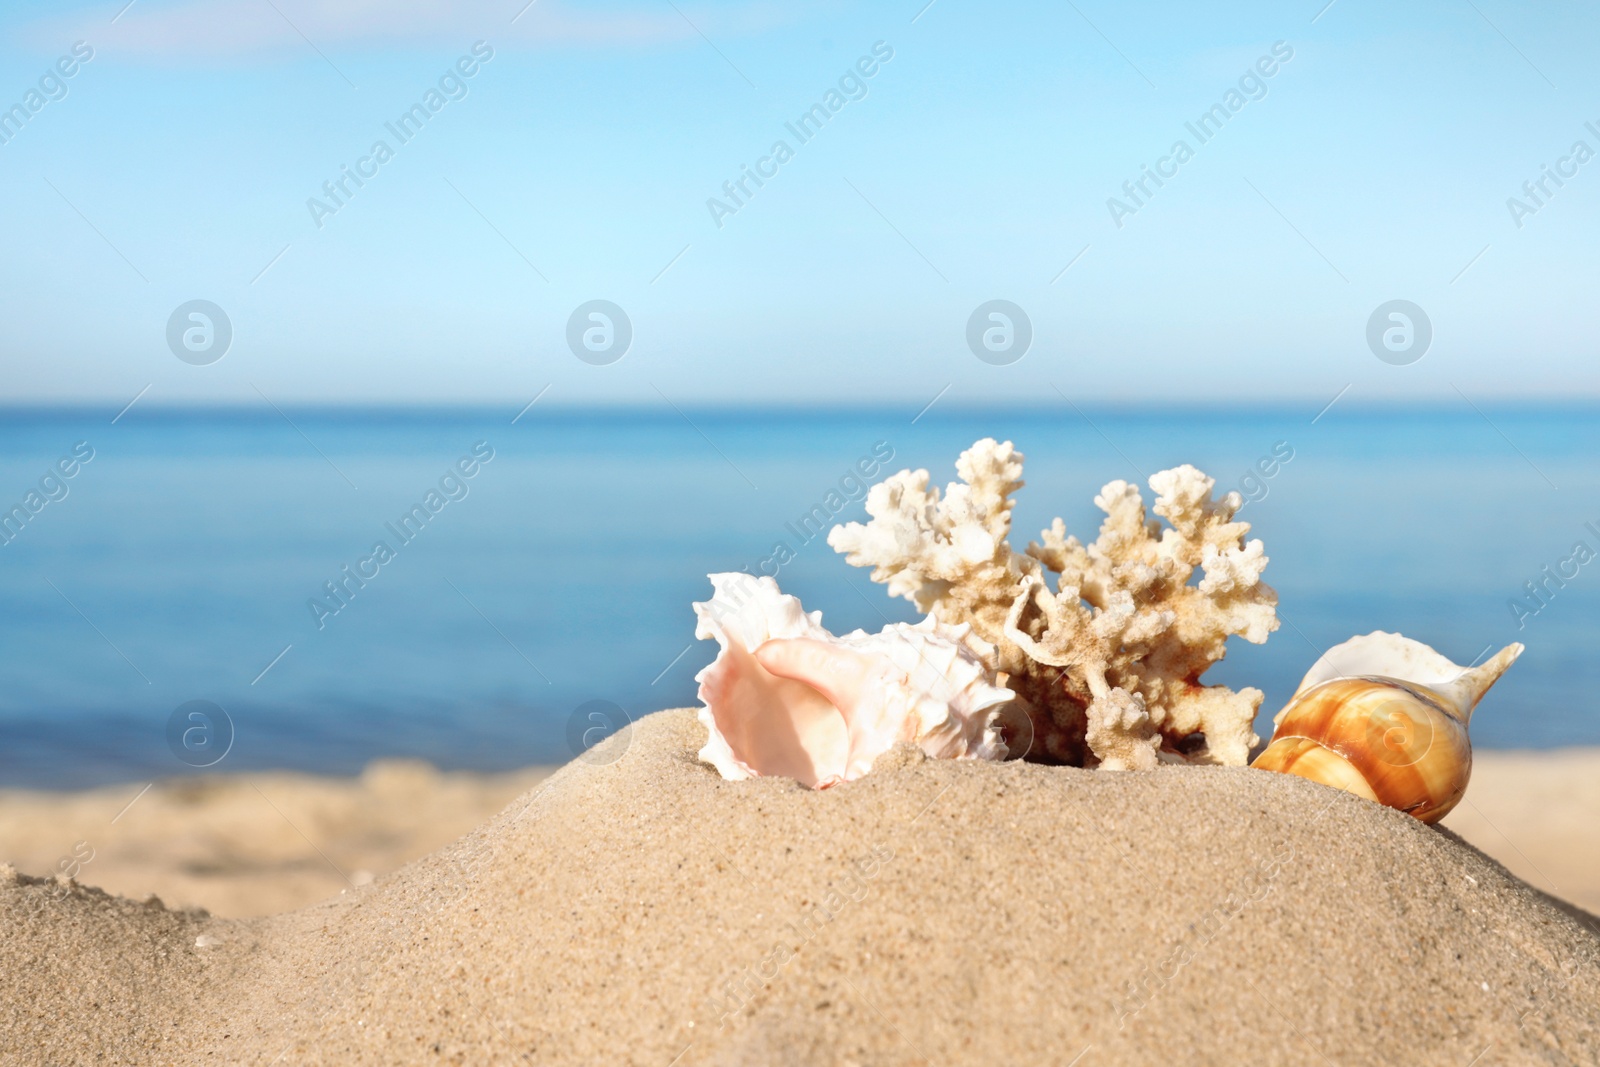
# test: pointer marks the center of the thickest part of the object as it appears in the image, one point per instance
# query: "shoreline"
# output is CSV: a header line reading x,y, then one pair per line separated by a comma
x,y
263,843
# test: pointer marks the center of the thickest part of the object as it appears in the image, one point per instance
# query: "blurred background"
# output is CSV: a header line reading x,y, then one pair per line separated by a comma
x,y
661,274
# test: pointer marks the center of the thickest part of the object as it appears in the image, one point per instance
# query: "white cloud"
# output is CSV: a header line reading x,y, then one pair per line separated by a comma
x,y
208,30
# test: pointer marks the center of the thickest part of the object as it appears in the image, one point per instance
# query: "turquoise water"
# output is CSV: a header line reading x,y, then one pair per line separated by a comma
x,y
178,562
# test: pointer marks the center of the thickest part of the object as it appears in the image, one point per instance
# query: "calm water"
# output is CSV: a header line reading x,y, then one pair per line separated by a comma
x,y
179,563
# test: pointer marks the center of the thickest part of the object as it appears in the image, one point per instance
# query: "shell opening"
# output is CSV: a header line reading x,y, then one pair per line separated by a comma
x,y
775,724
785,697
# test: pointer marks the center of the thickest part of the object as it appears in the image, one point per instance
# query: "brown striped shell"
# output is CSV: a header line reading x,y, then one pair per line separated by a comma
x,y
1399,741
1378,738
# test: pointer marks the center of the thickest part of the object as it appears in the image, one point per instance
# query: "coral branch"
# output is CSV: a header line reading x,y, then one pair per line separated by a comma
x,y
1108,663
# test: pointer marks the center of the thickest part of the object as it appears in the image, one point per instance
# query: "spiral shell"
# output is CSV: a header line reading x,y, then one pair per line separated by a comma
x,y
786,697
1385,718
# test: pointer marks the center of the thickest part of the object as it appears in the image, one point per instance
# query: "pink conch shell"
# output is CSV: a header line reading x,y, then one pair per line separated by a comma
x,y
785,697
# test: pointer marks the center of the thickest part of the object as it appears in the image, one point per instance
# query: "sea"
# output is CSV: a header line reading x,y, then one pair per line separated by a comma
x,y
205,593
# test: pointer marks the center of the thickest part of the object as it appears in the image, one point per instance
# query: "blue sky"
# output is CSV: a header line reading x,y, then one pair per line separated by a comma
x,y
978,165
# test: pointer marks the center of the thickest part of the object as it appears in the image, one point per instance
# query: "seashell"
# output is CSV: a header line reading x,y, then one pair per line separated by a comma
x,y
785,697
1385,717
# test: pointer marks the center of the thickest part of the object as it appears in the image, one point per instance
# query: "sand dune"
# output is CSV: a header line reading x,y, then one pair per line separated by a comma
x,y
1539,814
258,844
645,910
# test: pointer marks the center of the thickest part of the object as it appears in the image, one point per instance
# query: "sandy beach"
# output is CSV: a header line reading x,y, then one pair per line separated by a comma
x,y
645,911
251,845
1538,814
799,535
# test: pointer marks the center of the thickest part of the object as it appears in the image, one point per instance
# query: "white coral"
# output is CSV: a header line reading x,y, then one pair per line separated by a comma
x,y
1108,663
